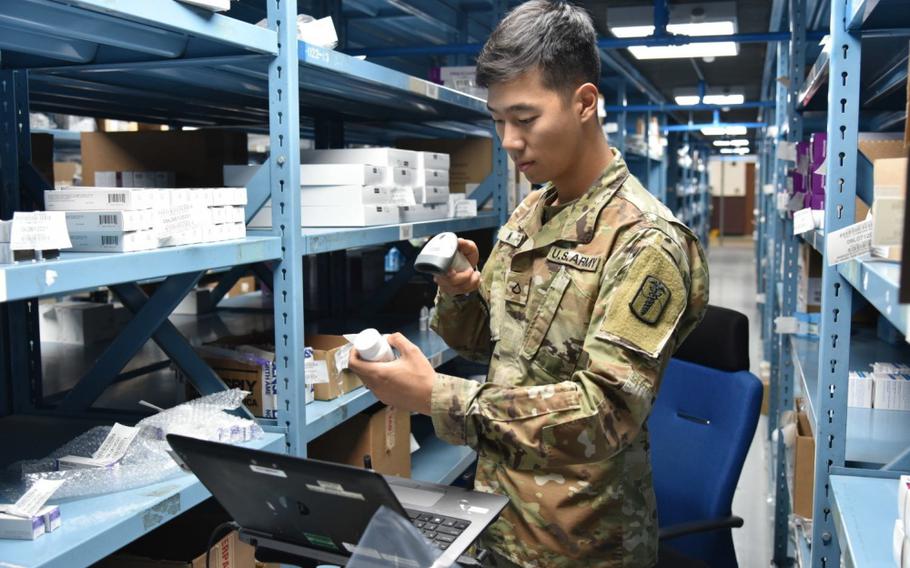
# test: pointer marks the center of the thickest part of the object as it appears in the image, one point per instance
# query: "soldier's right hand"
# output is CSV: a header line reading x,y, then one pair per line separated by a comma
x,y
466,281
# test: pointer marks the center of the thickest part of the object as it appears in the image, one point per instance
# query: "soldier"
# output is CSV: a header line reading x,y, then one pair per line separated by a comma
x,y
590,288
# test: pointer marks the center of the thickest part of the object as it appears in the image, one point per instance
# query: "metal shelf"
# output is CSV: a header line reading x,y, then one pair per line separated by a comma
x,y
864,509
874,436
73,272
877,280
817,78
322,416
332,239
95,527
879,14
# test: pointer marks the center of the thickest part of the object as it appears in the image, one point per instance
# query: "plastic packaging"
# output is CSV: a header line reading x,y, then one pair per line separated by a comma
x,y
389,541
146,460
373,346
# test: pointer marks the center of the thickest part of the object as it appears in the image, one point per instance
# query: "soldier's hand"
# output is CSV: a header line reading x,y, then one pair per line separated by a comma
x,y
466,281
405,383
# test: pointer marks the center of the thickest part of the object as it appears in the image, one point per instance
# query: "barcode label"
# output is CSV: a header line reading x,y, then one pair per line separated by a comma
x,y
116,198
107,219
110,240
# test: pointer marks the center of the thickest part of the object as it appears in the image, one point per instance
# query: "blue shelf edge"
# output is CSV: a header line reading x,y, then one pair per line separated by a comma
x,y
95,527
439,462
864,510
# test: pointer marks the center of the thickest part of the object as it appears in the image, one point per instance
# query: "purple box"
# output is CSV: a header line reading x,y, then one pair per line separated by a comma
x,y
818,152
799,182
817,200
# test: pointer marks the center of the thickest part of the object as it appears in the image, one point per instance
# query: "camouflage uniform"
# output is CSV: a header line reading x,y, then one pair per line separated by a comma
x,y
577,318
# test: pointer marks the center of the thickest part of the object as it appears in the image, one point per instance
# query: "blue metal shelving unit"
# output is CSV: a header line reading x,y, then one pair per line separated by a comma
x,y
859,452
166,62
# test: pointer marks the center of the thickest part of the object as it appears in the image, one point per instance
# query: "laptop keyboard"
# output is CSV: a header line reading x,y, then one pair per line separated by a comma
x,y
440,531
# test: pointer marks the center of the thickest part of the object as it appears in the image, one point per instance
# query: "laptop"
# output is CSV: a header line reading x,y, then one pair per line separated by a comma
x,y
320,510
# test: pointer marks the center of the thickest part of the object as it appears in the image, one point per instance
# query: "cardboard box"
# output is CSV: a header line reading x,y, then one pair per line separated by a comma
x,y
809,281
384,435
100,221
335,216
342,174
803,468
890,183
99,199
196,157
229,552
471,159
248,363
392,157
765,396
67,173
424,212
83,323
114,241
330,355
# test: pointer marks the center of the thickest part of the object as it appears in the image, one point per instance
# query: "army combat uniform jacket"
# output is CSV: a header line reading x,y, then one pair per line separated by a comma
x,y
578,318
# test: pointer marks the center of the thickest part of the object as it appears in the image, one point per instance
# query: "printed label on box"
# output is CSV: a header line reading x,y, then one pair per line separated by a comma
x,y
849,243
39,230
803,221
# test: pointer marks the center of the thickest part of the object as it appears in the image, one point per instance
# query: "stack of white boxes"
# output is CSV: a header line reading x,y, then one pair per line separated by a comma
x,y
363,187
892,386
107,219
860,389
102,219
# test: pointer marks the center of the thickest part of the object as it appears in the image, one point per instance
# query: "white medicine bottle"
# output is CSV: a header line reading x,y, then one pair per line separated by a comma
x,y
373,346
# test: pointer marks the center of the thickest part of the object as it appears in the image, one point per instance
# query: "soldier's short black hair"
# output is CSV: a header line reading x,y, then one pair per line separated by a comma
x,y
554,36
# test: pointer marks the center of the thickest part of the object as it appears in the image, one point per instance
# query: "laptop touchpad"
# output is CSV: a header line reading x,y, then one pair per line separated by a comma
x,y
416,497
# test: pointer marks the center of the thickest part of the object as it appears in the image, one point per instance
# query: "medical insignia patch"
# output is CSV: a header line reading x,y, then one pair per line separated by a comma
x,y
650,301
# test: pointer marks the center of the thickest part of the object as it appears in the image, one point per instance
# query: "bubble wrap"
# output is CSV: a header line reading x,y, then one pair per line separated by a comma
x,y
146,461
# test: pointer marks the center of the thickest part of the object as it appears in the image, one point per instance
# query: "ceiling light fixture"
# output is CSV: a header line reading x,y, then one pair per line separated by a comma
x,y
724,99
724,130
737,151
687,100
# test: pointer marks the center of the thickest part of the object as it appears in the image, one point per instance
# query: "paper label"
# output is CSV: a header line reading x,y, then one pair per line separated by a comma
x,y
403,196
785,325
768,189
405,232
39,230
116,444
34,499
849,243
822,168
414,444
786,151
180,218
315,372
803,222
760,298
783,201
343,356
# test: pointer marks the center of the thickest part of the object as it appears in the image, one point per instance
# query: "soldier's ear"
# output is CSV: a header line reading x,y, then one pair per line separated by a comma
x,y
586,102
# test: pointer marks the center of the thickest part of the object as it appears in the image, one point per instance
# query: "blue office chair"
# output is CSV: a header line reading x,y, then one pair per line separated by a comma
x,y
701,428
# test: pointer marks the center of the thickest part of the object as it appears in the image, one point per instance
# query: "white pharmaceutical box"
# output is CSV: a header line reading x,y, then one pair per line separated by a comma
x,y
341,174
891,392
114,241
83,323
348,195
93,221
432,194
99,199
424,212
433,161
335,216
860,390
21,528
391,157
432,177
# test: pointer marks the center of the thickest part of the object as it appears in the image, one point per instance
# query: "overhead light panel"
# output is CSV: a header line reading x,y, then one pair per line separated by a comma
x,y
737,151
739,142
684,51
724,130
724,99
722,143
687,100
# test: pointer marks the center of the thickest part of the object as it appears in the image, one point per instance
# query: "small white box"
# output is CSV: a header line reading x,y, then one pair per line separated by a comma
x,y
204,196
424,212
433,161
233,196
432,177
860,390
5,228
180,238
99,199
234,231
348,195
114,241
392,157
347,216
83,323
93,221
52,518
466,208
236,214
432,194
21,528
891,392
109,179
341,174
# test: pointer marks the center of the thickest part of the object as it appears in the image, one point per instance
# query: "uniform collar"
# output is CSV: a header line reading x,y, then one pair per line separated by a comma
x,y
576,223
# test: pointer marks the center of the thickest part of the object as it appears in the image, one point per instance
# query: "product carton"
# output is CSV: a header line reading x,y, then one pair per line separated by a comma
x,y
383,434
248,363
83,323
391,157
330,355
804,468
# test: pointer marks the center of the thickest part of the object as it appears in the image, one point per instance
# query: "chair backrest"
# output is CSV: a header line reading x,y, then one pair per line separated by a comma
x,y
701,427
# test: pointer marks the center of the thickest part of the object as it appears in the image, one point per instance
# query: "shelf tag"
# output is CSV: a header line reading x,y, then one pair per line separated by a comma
x,y
786,151
822,168
414,444
768,189
849,243
760,298
39,230
34,499
785,325
803,221
405,232
116,444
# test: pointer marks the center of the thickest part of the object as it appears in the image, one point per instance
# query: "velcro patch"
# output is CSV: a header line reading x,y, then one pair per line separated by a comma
x,y
574,259
511,236
652,297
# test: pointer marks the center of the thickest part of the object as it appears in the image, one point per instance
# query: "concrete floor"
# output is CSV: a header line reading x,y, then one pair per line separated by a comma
x,y
732,270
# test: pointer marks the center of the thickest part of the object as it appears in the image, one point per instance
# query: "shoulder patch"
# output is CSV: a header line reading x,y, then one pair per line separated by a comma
x,y
569,257
651,300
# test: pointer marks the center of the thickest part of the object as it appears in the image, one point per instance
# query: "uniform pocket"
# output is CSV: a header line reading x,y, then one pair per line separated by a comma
x,y
546,311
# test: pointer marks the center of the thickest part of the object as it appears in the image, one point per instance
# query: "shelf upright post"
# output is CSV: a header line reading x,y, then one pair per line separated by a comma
x,y
648,154
620,143
772,343
664,160
500,157
20,345
284,170
834,331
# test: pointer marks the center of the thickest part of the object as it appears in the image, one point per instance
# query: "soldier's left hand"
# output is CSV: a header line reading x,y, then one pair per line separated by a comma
x,y
405,383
